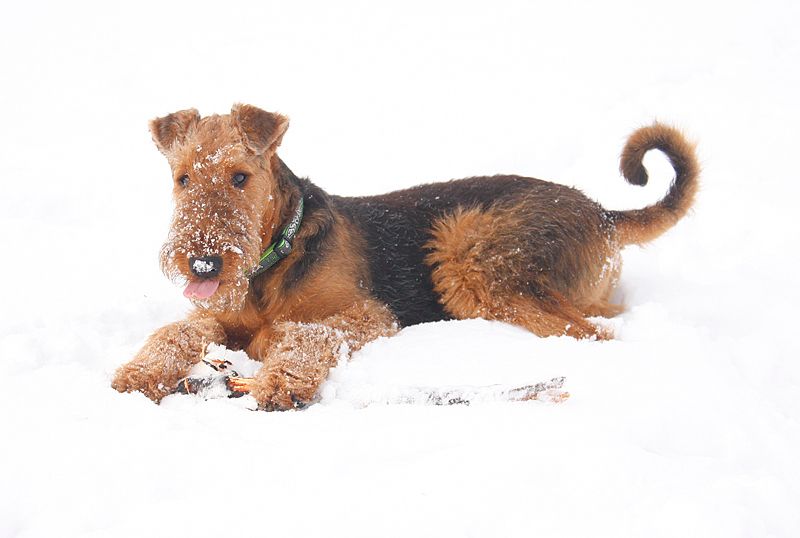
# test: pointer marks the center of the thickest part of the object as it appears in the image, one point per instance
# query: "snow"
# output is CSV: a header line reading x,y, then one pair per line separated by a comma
x,y
201,266
688,424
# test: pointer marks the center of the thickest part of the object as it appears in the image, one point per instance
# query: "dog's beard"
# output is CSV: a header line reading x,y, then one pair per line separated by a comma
x,y
226,233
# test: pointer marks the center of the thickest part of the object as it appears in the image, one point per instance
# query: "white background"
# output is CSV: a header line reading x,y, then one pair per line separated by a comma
x,y
686,425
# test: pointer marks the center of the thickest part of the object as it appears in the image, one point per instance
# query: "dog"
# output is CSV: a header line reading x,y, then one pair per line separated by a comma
x,y
300,278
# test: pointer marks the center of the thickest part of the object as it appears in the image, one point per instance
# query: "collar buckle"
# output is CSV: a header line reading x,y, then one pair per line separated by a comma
x,y
283,248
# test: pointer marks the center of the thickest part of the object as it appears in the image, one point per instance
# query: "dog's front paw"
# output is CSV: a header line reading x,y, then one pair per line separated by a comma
x,y
281,390
136,377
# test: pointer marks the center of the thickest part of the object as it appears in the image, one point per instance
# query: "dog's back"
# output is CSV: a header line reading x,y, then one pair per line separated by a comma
x,y
523,219
448,250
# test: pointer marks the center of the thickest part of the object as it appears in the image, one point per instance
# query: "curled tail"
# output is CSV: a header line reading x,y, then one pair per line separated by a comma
x,y
639,226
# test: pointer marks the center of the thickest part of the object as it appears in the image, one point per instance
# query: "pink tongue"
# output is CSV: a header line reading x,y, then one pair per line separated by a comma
x,y
201,289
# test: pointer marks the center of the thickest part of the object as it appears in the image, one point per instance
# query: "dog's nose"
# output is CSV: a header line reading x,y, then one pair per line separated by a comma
x,y
206,266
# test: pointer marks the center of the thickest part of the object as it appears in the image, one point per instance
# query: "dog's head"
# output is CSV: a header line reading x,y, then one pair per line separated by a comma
x,y
227,199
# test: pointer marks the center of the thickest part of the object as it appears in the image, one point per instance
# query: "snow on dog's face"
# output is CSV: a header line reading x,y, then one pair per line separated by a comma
x,y
226,199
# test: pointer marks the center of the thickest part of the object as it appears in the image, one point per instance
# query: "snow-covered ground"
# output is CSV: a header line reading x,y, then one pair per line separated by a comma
x,y
687,425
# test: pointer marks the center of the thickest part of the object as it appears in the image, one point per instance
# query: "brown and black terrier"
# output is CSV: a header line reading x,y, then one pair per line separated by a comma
x,y
300,278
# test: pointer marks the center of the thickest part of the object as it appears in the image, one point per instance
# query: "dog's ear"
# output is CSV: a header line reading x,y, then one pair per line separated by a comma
x,y
172,129
261,131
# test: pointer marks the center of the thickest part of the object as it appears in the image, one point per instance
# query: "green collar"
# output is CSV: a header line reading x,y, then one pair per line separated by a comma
x,y
283,246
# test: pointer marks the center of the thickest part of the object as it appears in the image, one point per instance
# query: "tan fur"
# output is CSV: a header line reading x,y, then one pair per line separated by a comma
x,y
640,226
544,259
167,356
297,356
303,334
478,272
331,289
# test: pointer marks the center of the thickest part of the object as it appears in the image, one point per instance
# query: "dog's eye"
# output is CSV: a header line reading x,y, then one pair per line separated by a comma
x,y
183,180
239,180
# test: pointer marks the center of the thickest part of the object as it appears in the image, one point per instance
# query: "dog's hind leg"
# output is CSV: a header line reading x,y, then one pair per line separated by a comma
x,y
167,357
297,356
605,309
552,316
543,316
482,269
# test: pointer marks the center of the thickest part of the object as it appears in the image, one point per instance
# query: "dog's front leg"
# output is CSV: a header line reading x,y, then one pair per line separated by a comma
x,y
167,356
297,356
